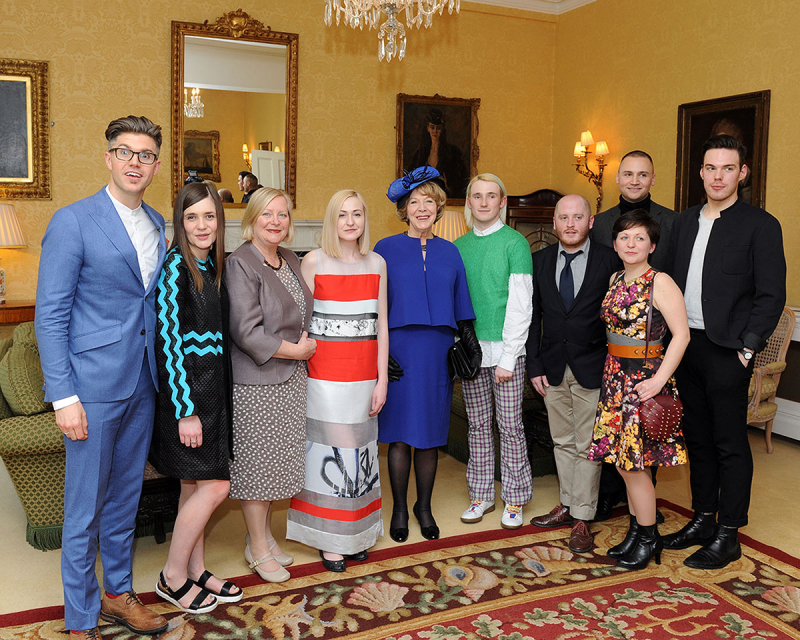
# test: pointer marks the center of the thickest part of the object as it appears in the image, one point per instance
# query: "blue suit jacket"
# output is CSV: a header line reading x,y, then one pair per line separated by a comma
x,y
94,317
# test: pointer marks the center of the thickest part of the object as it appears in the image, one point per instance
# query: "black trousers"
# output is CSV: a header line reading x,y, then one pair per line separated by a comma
x,y
713,383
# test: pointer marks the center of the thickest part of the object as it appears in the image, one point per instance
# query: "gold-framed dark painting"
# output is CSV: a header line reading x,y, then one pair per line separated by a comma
x,y
745,117
441,132
201,154
24,129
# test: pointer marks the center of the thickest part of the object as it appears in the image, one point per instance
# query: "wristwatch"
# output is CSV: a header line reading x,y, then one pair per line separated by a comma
x,y
747,355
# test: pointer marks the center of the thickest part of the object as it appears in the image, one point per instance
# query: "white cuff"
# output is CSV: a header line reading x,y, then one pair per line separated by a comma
x,y
65,402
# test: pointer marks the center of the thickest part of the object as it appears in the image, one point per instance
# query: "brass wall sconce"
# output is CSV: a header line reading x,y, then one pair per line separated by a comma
x,y
248,159
582,151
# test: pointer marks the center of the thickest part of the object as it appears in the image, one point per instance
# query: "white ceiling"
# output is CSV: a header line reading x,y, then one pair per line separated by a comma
x,y
542,6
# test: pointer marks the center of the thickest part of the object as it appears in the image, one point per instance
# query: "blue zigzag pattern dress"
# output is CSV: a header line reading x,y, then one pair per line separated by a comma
x,y
193,375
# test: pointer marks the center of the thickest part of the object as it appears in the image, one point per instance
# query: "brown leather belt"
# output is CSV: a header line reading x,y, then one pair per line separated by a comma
x,y
631,351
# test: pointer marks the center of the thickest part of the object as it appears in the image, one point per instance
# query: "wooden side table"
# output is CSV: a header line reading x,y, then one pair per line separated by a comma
x,y
14,312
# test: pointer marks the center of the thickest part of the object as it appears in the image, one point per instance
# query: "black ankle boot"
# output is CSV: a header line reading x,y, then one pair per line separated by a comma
x,y
625,547
719,552
699,530
648,545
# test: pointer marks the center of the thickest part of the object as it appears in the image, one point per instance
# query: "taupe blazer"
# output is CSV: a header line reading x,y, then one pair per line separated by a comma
x,y
263,313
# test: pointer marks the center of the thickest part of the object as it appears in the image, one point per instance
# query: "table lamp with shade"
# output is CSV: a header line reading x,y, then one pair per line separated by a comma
x,y
10,238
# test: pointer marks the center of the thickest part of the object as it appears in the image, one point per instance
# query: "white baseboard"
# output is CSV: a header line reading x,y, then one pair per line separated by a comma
x,y
787,420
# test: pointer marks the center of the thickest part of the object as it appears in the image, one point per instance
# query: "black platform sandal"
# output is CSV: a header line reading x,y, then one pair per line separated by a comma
x,y
229,592
164,591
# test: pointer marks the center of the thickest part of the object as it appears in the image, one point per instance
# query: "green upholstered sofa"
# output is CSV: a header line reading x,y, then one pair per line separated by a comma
x,y
32,449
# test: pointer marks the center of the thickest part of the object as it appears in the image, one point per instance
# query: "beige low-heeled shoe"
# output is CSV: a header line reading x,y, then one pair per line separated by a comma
x,y
283,559
279,575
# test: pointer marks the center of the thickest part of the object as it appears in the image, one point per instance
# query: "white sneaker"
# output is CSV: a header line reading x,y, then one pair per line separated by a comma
x,y
512,517
476,511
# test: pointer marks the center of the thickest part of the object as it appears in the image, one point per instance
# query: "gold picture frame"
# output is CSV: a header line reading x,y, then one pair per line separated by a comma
x,y
201,154
24,129
457,119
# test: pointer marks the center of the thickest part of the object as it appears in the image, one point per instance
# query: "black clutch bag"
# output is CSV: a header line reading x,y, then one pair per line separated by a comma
x,y
458,363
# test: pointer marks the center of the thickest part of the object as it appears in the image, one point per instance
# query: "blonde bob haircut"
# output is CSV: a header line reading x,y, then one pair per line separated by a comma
x,y
255,207
486,177
330,225
430,189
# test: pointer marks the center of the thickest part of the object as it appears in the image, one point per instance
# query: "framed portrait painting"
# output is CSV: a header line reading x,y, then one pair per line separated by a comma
x,y
24,129
201,154
744,116
440,132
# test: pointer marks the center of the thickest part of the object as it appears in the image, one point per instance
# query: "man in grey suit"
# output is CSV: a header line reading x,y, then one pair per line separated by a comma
x,y
95,322
635,177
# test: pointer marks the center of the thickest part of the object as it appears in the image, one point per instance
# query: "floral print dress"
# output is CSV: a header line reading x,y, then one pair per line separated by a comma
x,y
618,437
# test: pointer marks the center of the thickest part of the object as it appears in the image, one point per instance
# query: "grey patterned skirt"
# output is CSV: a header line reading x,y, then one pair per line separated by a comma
x,y
269,438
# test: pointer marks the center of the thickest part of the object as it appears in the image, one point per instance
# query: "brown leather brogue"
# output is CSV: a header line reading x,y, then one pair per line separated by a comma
x,y
558,517
129,611
580,540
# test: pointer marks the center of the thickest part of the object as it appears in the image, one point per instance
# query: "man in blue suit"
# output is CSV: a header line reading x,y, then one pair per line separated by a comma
x,y
95,323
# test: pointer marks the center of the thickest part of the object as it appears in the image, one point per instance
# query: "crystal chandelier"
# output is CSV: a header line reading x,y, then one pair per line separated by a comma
x,y
195,108
392,34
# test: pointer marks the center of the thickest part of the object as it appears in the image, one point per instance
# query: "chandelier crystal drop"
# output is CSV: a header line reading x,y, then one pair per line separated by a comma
x,y
391,34
194,108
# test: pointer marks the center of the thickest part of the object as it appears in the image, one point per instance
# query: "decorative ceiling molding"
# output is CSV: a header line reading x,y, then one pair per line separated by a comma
x,y
553,7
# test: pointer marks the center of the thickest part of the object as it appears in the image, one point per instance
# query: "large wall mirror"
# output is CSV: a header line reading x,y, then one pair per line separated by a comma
x,y
234,83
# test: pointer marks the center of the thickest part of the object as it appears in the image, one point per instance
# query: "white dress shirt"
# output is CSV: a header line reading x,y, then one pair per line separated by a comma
x,y
519,310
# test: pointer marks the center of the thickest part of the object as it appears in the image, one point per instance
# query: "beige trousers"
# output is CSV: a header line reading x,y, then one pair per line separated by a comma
x,y
571,411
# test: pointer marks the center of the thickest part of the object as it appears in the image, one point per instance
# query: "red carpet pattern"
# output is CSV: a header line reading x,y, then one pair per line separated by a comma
x,y
523,585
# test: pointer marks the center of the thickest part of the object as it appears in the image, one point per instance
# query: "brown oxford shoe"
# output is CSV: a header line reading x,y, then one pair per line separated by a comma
x,y
558,517
580,540
129,611
87,634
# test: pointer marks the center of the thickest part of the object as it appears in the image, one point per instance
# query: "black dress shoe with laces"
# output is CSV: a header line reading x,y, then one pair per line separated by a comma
x,y
723,549
698,531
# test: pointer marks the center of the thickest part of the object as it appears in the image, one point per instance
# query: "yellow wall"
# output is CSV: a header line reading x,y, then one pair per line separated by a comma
x,y
265,119
108,59
623,67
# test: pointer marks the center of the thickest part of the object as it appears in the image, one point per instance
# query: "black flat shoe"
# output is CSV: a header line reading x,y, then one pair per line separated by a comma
x,y
430,532
358,557
723,549
399,534
698,531
336,566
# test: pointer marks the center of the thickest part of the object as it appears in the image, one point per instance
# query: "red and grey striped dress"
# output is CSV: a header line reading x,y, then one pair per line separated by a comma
x,y
339,509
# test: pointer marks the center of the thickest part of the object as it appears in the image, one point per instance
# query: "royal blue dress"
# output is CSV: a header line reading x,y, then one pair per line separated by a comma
x,y
426,297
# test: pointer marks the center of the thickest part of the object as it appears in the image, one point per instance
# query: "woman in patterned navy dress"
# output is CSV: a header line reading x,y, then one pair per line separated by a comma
x,y
191,440
339,509
629,380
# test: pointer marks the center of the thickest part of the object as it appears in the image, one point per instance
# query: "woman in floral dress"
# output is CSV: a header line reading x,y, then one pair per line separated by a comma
x,y
629,379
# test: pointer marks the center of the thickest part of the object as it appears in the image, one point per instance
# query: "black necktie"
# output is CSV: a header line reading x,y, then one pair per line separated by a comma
x,y
566,285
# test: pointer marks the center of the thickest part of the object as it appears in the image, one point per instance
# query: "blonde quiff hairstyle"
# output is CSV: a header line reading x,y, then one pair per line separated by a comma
x,y
255,207
486,177
330,226
430,189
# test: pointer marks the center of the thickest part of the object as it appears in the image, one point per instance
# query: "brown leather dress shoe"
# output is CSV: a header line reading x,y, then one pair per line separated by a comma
x,y
580,540
129,611
87,634
558,517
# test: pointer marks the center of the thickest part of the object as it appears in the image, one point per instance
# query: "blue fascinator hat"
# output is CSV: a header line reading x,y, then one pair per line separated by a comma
x,y
401,189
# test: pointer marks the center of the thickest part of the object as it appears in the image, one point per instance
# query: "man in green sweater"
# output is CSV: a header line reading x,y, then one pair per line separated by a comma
x,y
499,276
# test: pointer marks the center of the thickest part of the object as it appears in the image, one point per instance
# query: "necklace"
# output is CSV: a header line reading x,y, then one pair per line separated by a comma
x,y
280,263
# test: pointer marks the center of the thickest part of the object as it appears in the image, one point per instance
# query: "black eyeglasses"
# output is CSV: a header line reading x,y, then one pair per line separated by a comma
x,y
145,157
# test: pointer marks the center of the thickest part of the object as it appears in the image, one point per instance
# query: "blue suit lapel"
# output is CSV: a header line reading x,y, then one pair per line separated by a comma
x,y
107,218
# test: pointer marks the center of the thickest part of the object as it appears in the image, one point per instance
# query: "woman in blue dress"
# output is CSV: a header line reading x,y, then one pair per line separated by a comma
x,y
428,304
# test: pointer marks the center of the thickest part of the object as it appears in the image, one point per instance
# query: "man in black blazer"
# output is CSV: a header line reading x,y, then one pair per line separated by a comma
x,y
566,350
635,177
727,257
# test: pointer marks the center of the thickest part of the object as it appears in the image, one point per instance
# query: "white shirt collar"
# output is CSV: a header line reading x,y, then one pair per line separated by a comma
x,y
123,209
487,232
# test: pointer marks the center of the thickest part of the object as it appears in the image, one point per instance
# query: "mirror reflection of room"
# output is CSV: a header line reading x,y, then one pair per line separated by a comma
x,y
242,89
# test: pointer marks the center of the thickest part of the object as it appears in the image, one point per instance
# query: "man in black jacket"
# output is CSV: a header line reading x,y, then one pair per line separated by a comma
x,y
727,257
566,350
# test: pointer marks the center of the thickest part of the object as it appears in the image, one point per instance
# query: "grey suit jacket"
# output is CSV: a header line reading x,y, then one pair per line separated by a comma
x,y
263,313
604,222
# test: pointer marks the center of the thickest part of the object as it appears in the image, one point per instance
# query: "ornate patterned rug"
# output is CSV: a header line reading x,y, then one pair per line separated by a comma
x,y
501,585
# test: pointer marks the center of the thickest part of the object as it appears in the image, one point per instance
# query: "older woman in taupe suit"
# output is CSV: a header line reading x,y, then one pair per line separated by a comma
x,y
270,313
